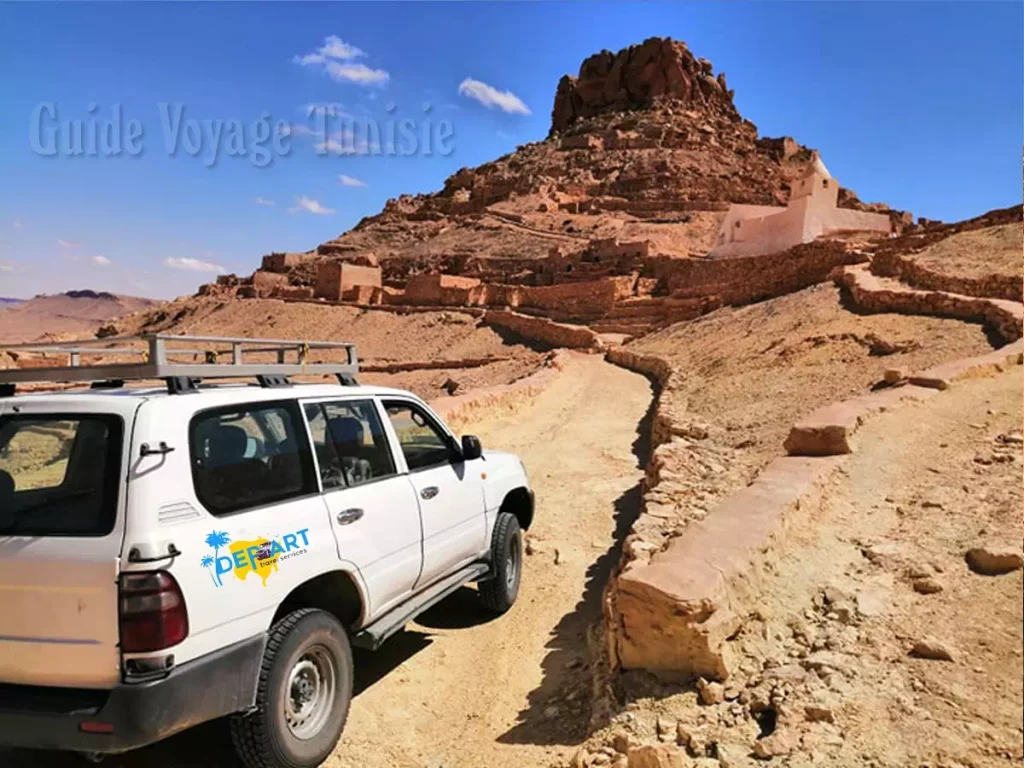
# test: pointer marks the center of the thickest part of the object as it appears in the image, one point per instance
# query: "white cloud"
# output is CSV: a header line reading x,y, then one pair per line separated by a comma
x,y
335,57
346,142
491,97
192,265
303,203
330,109
356,73
350,181
333,48
67,244
263,201
102,261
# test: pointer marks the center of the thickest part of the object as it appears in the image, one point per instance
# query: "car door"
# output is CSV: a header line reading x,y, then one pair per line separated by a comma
x,y
372,508
449,490
240,498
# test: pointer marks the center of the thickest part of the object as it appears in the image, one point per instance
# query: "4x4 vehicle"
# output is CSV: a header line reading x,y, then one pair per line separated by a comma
x,y
174,554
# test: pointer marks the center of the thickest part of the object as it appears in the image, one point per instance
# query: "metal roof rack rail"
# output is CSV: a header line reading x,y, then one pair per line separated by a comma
x,y
159,357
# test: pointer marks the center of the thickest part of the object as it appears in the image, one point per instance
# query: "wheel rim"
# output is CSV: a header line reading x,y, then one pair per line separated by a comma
x,y
512,565
309,698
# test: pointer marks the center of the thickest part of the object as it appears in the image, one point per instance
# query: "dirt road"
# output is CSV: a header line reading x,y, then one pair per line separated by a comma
x,y
459,689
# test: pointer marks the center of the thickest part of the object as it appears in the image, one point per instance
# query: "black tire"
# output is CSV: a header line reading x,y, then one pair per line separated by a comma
x,y
499,592
264,738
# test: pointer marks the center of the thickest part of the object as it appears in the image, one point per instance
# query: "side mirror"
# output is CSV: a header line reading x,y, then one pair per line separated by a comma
x,y
471,448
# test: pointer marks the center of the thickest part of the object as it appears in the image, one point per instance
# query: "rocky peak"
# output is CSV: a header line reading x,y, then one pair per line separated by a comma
x,y
636,78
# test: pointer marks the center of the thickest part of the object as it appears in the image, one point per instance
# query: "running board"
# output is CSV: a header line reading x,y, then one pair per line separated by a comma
x,y
372,636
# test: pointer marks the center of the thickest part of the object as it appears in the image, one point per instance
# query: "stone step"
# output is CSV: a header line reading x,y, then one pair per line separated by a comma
x,y
620,311
630,329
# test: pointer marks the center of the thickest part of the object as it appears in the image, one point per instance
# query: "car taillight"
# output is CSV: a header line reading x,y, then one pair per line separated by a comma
x,y
152,612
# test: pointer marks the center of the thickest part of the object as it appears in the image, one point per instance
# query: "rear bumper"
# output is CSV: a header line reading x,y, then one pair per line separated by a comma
x,y
215,685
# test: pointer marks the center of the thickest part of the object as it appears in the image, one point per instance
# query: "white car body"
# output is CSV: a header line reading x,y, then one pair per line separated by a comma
x,y
387,540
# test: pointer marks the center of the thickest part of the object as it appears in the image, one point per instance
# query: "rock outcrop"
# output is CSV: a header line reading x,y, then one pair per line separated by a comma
x,y
635,78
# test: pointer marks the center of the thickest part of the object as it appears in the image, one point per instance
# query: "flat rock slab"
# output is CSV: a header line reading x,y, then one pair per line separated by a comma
x,y
676,613
829,431
944,375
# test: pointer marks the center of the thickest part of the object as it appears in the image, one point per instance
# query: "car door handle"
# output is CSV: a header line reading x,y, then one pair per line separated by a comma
x,y
429,492
347,516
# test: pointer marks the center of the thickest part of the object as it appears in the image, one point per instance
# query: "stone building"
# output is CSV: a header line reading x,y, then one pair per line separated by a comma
x,y
754,230
341,281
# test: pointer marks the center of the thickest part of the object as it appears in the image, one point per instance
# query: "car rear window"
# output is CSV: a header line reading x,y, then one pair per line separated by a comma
x,y
59,474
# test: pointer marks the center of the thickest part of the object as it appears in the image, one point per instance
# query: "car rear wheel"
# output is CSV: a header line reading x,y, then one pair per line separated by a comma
x,y
499,592
303,696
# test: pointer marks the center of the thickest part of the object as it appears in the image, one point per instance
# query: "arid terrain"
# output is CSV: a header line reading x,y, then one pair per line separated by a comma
x,y
779,496
75,312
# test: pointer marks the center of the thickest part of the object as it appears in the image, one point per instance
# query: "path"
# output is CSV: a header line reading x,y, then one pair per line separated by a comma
x,y
456,688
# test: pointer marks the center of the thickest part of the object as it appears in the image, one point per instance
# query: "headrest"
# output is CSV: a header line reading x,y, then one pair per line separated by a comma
x,y
346,429
6,484
227,445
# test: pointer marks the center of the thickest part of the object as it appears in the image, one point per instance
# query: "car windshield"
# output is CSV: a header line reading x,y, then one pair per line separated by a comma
x,y
59,474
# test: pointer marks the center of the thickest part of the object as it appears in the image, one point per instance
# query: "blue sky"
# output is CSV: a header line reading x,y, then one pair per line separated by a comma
x,y
919,105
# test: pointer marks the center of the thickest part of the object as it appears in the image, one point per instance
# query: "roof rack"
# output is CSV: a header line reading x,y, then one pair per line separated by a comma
x,y
159,357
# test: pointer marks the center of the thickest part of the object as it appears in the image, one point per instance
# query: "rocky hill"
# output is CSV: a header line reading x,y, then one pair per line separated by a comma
x,y
645,144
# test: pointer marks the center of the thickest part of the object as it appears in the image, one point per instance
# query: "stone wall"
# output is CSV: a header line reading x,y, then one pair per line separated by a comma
x,y
293,292
887,264
265,283
574,299
544,330
282,262
446,290
753,278
874,294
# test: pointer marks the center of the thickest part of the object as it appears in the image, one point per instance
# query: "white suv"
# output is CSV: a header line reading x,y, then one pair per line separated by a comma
x,y
170,555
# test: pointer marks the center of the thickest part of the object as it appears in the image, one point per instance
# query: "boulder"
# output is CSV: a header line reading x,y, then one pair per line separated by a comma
x,y
994,560
655,756
930,648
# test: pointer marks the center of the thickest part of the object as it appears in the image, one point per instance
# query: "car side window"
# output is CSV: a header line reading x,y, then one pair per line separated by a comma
x,y
248,456
350,442
423,443
326,455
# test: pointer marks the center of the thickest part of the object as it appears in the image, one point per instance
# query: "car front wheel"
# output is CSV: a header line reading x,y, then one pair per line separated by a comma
x,y
499,592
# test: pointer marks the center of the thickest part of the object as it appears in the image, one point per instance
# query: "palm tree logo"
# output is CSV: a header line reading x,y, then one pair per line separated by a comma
x,y
215,540
207,562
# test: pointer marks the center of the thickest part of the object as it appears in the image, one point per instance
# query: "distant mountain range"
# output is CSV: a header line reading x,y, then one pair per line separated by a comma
x,y
74,312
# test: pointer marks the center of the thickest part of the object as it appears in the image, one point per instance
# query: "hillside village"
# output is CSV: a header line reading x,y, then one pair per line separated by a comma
x,y
776,432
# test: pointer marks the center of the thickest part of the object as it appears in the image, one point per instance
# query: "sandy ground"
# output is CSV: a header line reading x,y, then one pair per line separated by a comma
x,y
750,372
977,253
880,568
457,688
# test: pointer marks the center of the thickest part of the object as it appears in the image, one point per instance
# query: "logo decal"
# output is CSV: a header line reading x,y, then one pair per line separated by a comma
x,y
260,555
